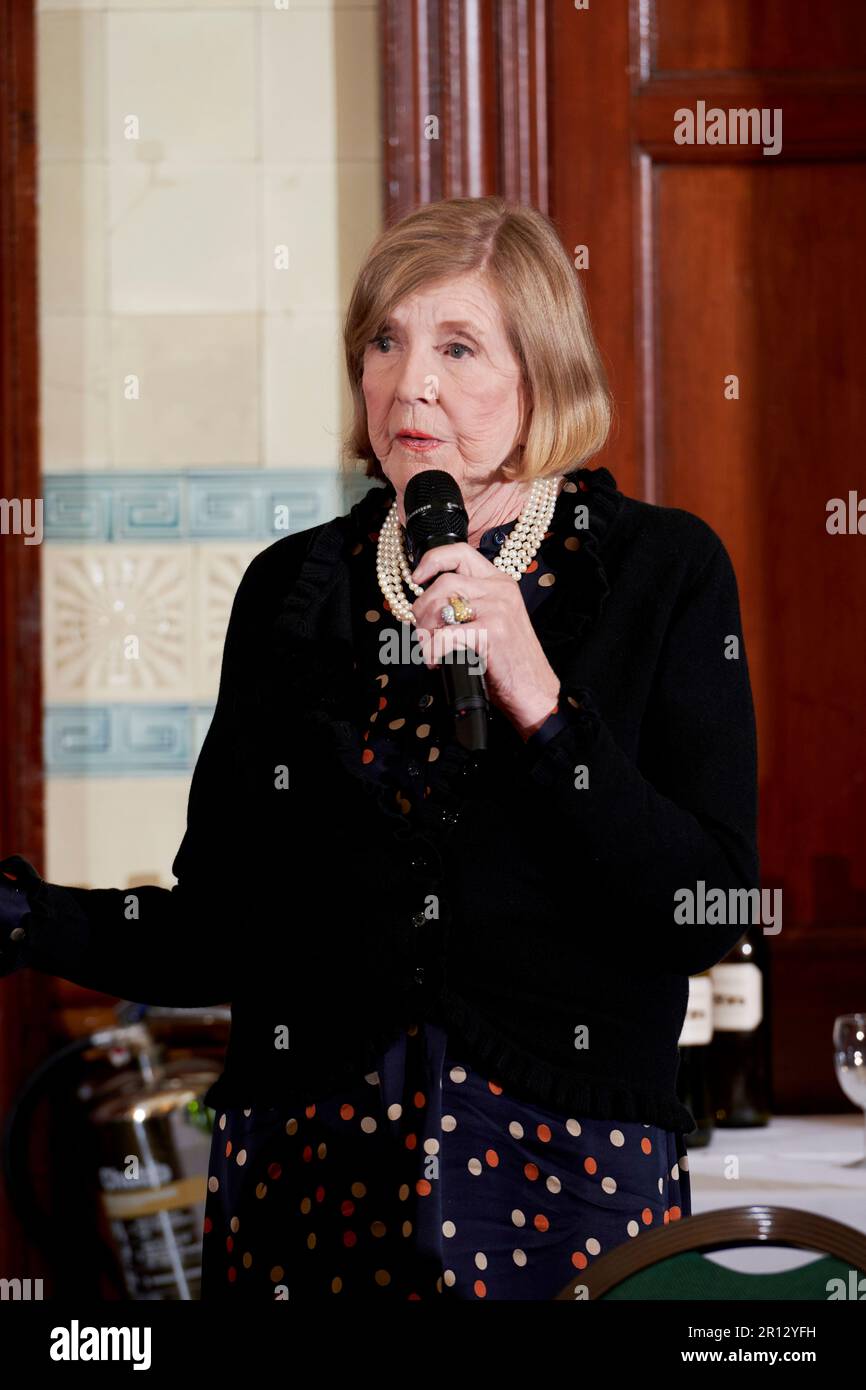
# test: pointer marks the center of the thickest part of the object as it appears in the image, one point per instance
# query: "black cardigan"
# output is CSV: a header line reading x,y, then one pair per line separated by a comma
x,y
312,906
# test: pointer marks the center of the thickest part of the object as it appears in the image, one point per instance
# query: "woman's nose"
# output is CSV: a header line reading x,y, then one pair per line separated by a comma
x,y
416,379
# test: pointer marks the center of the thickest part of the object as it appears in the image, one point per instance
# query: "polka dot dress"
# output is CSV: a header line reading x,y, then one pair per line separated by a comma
x,y
426,1179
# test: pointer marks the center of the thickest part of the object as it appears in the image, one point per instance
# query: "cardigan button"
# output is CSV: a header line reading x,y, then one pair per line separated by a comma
x,y
17,934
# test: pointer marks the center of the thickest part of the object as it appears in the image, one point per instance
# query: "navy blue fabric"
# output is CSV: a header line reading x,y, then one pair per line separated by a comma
x,y
424,1180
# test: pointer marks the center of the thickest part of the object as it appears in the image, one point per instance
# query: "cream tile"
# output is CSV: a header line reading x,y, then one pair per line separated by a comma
x,y
70,75
217,571
96,599
303,362
190,80
183,239
327,215
357,64
74,386
199,390
113,832
298,87
72,249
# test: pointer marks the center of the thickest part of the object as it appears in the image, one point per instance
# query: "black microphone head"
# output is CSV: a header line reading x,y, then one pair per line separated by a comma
x,y
435,514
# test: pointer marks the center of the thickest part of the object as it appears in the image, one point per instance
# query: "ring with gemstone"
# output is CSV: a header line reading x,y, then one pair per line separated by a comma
x,y
457,610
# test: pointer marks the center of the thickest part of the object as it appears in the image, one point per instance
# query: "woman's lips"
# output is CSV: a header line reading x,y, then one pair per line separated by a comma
x,y
417,446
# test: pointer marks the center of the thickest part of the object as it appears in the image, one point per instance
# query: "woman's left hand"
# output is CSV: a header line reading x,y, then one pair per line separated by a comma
x,y
520,680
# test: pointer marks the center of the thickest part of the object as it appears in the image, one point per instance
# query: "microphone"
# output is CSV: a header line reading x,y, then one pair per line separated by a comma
x,y
435,515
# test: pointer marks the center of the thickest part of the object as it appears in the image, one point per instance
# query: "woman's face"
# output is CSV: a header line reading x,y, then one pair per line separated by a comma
x,y
444,366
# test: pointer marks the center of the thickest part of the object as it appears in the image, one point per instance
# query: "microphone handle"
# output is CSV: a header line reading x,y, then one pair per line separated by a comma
x,y
466,697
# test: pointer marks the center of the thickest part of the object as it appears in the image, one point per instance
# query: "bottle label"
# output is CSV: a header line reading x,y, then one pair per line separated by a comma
x,y
698,1022
738,997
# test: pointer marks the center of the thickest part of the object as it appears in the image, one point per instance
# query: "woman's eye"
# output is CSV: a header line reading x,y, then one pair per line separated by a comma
x,y
380,338
464,347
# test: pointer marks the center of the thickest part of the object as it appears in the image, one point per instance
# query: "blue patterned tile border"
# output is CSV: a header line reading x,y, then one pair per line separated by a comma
x,y
147,740
194,505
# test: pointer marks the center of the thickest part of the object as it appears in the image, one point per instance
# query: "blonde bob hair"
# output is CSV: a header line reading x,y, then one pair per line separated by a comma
x,y
526,268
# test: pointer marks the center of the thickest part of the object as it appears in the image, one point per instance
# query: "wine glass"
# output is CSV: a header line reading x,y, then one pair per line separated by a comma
x,y
849,1053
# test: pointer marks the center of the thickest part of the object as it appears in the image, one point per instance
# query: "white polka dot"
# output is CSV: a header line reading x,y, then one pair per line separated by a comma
x,y
519,1257
431,1146
449,1229
518,1217
646,1126
593,1245
684,1163
395,1111
368,1124
675,1172
241,1157
661,1184
515,1129
617,1138
222,1121
481,1260
475,1167
633,1228
248,1112
450,1277
573,1127
608,1185
213,1184
553,1184
372,1078
448,1123
457,1074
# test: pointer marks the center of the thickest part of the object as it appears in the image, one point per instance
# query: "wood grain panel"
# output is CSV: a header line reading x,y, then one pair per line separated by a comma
x,y
756,35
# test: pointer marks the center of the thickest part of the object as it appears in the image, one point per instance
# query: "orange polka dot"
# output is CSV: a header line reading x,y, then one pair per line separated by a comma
x,y
423,1187
590,1165
411,1141
419,1099
492,1158
413,1296
349,1239
310,1111
320,1194
540,1222
208,1225
495,1087
675,1213
646,1145
579,1260
543,1132
308,1153
230,1245
531,1171
228,1148
231,1274
534,566
646,1216
367,756
667,1217
346,1112
346,1208
480,1288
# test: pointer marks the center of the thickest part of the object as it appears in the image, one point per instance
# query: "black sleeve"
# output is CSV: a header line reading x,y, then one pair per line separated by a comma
x,y
180,946
689,812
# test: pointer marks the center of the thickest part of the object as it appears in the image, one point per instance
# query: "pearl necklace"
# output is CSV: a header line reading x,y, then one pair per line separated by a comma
x,y
515,556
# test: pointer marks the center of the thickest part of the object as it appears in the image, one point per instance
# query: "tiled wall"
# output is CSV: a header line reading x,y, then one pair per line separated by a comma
x,y
209,182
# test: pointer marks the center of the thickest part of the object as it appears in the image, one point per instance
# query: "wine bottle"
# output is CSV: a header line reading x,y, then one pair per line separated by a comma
x,y
693,1086
739,1056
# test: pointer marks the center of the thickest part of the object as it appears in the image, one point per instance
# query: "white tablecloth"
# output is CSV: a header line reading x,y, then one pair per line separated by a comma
x,y
794,1161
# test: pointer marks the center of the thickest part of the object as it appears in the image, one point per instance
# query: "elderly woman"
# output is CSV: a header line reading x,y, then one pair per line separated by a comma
x,y
458,977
